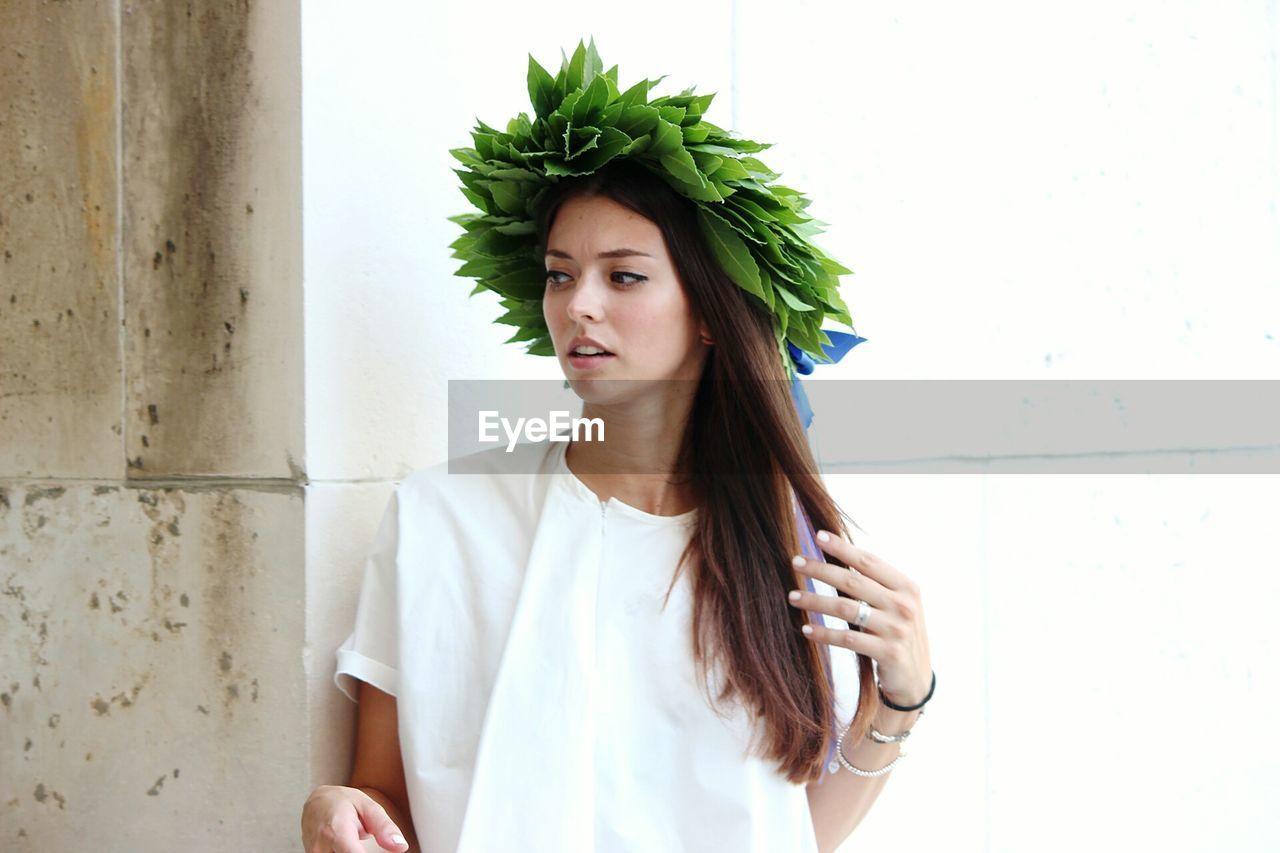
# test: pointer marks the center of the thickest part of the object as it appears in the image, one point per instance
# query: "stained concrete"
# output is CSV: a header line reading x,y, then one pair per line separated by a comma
x,y
212,247
152,475
59,286
151,666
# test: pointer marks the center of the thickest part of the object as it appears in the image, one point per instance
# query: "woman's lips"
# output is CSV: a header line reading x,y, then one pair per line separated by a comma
x,y
589,362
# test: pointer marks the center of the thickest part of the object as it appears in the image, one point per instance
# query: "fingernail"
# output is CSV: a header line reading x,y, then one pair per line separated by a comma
x,y
807,629
794,595
397,839
797,561
823,536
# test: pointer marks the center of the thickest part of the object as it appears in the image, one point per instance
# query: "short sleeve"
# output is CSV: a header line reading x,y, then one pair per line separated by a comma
x,y
371,651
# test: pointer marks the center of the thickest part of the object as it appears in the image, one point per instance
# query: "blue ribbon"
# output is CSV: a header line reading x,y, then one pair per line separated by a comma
x,y
841,343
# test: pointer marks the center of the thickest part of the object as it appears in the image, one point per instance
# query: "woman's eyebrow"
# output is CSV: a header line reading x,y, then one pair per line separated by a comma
x,y
612,253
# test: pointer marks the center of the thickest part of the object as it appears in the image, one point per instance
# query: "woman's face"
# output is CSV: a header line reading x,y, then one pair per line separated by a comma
x,y
611,278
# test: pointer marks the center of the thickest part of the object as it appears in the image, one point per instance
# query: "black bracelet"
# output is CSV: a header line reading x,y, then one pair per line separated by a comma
x,y
932,685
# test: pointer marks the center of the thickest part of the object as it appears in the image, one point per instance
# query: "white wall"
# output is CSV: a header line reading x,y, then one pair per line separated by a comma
x,y
1023,191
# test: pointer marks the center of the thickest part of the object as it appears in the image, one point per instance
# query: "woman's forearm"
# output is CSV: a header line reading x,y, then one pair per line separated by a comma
x,y
843,798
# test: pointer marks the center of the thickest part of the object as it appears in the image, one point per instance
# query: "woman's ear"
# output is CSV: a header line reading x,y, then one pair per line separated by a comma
x,y
705,334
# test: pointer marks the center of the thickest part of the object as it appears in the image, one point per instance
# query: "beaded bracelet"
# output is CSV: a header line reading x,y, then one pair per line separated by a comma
x,y
881,738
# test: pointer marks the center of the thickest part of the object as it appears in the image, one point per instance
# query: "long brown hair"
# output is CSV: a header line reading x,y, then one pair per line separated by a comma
x,y
747,455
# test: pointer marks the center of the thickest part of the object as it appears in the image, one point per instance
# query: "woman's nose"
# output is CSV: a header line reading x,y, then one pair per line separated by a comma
x,y
585,301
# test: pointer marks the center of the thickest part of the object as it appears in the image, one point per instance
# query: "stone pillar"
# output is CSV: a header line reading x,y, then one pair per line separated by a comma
x,y
152,577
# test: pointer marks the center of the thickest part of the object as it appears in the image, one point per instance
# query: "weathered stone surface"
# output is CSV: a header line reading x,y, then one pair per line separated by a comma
x,y
151,689
212,250
149,649
59,285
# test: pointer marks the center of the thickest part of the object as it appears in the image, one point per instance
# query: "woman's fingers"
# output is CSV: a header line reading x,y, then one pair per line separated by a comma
x,y
378,824
340,835
859,641
848,581
864,561
336,818
841,608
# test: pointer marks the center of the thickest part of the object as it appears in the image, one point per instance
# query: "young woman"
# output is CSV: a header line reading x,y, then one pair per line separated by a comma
x,y
601,654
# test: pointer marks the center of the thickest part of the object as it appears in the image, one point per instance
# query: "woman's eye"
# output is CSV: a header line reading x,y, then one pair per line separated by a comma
x,y
549,279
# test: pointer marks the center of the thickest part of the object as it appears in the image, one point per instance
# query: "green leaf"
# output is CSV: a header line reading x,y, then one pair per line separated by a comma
x,y
830,265
766,284
744,226
773,248
523,313
520,284
792,302
494,245
584,139
744,144
525,334
636,95
524,227
680,164
516,175
506,194
667,139
483,267
675,115
541,88
591,65
475,198
468,156
638,120
574,76
612,143
730,170
731,252
542,347
795,280
694,133
754,209
707,163
713,149
806,228
805,337
706,191
759,169
591,102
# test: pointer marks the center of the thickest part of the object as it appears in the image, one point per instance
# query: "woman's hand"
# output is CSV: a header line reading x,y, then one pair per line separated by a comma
x,y
335,819
893,635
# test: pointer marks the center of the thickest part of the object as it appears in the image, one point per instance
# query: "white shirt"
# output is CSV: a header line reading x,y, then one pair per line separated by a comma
x,y
546,700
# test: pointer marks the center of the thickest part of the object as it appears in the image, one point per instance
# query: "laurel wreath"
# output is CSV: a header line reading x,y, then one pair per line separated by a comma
x,y
757,228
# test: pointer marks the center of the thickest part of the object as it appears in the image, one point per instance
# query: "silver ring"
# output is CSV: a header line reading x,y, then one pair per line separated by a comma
x,y
864,610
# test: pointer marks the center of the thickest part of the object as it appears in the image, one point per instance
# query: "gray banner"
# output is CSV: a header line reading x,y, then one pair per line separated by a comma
x,y
942,426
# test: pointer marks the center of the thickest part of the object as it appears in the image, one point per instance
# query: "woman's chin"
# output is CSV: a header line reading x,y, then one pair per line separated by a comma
x,y
599,389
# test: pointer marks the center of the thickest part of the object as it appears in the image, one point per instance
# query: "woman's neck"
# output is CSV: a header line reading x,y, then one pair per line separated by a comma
x,y
635,465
